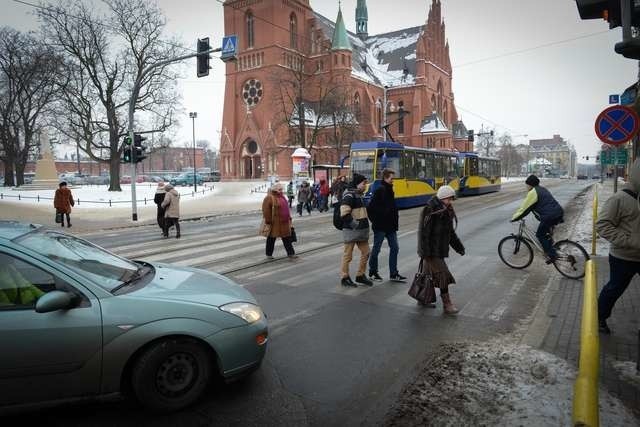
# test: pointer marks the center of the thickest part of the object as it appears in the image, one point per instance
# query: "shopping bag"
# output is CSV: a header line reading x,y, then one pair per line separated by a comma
x,y
422,288
265,229
58,217
294,236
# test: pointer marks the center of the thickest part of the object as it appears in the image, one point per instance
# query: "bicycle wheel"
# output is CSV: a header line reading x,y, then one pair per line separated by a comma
x,y
571,260
515,252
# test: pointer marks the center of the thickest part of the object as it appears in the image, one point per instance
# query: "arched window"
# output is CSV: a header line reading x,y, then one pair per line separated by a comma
x,y
250,33
445,113
379,106
401,117
293,31
434,107
356,105
440,97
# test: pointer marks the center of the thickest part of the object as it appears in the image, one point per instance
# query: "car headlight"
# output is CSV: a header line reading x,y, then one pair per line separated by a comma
x,y
250,313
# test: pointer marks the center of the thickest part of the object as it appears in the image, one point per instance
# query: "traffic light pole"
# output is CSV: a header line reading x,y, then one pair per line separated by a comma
x,y
132,102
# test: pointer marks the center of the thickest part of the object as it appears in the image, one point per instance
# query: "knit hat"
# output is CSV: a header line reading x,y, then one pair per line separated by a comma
x,y
160,184
446,192
168,187
276,187
533,181
357,179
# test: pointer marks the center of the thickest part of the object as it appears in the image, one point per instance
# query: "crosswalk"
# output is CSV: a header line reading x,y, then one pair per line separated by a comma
x,y
242,258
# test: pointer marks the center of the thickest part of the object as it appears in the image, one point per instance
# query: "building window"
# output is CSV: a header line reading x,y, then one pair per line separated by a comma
x,y
250,34
293,31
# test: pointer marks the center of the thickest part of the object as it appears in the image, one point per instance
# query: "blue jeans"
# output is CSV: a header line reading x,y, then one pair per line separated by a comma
x,y
620,274
392,240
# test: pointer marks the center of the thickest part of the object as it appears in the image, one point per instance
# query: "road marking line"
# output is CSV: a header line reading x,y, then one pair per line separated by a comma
x,y
497,313
165,246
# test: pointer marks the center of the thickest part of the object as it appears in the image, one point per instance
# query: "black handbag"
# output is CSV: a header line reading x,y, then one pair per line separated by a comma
x,y
422,288
58,217
294,236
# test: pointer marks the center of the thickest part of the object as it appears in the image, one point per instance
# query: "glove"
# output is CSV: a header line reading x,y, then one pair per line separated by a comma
x,y
462,252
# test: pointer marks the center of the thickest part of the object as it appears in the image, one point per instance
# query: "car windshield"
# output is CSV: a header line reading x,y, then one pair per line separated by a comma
x,y
104,268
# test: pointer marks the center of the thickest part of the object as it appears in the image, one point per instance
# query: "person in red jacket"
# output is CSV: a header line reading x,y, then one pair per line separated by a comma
x,y
324,196
62,202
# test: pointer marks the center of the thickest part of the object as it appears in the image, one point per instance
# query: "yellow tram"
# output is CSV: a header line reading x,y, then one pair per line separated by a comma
x,y
420,171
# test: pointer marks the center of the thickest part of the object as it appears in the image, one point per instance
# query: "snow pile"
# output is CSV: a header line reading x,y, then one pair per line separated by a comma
x,y
583,229
495,383
628,371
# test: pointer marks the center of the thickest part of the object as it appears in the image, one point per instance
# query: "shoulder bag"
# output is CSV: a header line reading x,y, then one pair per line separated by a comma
x,y
422,288
265,229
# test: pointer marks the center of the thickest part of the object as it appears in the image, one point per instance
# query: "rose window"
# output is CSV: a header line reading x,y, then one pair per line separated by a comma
x,y
252,92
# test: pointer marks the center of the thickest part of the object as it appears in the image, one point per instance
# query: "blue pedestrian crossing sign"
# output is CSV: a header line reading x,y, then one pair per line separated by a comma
x,y
229,47
617,125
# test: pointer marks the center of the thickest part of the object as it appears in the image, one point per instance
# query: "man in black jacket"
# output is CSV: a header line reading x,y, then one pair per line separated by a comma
x,y
383,213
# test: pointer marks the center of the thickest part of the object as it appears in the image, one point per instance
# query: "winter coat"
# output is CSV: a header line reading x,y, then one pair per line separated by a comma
x,y
338,188
271,205
382,209
63,200
436,231
541,202
354,217
304,194
324,188
159,197
171,204
619,219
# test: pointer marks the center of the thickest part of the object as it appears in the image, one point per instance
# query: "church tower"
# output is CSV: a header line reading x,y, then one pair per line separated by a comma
x,y
362,16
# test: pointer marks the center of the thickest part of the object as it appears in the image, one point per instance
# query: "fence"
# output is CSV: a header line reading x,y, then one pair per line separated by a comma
x,y
109,202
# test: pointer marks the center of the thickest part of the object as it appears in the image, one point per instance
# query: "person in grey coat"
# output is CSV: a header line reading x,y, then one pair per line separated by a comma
x,y
171,205
355,230
619,223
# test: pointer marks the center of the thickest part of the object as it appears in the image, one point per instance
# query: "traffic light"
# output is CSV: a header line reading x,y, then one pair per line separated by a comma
x,y
138,149
126,152
625,13
609,10
470,135
203,57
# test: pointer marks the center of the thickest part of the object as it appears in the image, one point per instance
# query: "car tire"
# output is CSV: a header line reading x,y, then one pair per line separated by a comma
x,y
171,375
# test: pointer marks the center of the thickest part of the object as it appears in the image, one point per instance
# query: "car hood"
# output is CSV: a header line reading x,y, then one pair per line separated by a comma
x,y
191,285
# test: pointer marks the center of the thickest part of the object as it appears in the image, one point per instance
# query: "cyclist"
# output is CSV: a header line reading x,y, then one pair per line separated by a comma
x,y
546,209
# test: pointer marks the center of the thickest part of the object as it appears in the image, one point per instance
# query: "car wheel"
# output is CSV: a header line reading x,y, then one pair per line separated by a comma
x,y
171,375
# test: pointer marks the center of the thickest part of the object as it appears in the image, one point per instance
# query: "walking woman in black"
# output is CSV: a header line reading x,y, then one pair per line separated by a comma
x,y
436,232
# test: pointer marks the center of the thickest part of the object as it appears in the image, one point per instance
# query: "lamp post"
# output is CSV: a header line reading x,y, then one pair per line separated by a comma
x,y
193,115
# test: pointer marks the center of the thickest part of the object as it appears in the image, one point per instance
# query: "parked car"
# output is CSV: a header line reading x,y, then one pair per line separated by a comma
x,y
125,179
98,180
155,178
78,321
595,177
582,177
186,179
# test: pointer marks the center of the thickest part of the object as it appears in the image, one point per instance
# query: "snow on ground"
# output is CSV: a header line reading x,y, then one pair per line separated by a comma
x,y
583,230
495,383
92,196
628,371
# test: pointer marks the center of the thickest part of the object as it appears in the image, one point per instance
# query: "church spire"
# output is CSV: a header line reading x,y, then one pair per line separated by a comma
x,y
362,16
340,38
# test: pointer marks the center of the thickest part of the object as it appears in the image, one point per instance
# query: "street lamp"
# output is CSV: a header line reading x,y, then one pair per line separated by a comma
x,y
193,115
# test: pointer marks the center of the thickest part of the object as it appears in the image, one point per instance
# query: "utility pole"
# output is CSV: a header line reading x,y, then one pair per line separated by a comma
x,y
193,116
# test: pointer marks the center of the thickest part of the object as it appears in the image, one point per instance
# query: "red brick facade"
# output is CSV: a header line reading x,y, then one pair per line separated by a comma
x,y
277,37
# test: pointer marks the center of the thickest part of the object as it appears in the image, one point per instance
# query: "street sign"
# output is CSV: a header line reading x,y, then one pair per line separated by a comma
x,y
229,47
614,157
614,99
617,125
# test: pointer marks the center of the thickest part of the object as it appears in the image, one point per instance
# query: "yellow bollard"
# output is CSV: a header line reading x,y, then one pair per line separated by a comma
x,y
595,219
585,389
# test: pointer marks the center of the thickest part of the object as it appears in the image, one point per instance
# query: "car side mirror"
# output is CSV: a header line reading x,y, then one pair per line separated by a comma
x,y
54,301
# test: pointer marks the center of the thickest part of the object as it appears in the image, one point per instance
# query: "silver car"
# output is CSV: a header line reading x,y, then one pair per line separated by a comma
x,y
78,322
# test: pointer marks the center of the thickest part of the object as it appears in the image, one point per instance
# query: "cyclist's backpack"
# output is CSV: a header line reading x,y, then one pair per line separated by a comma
x,y
337,219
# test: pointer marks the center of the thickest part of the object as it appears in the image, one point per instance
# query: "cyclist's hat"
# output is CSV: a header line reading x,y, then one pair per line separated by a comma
x,y
533,181
445,192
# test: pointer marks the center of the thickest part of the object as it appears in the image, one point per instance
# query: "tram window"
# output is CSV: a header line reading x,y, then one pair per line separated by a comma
x,y
473,165
389,159
430,159
410,165
362,163
452,168
439,167
421,165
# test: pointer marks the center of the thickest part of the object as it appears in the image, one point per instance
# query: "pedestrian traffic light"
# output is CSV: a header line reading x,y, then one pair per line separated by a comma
x,y
138,149
126,152
609,10
203,57
470,135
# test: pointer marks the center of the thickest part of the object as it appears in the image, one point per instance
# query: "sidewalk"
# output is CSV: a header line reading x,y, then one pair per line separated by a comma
x,y
228,198
618,351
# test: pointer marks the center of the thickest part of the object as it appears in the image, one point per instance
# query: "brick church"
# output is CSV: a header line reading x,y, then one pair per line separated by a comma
x,y
302,80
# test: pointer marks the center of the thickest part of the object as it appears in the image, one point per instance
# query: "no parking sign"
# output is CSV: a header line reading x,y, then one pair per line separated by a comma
x,y
617,125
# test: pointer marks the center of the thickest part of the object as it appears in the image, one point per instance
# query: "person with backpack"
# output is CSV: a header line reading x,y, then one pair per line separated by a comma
x,y
383,214
619,223
355,230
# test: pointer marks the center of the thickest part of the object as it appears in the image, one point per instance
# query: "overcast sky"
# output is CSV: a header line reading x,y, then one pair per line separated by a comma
x,y
556,89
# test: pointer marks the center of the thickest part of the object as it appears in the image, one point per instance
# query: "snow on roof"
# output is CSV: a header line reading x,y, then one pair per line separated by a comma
x,y
433,124
384,59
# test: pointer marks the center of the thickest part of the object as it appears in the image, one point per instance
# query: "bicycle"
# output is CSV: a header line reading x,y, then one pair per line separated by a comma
x,y
517,250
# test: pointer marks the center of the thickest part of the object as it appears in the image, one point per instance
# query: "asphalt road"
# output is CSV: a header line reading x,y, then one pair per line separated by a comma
x,y
336,356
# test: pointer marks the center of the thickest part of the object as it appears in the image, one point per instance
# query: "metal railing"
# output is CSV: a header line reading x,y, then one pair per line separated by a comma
x,y
105,202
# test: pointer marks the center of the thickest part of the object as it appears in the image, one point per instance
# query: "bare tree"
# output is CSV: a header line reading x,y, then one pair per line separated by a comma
x,y
106,56
509,156
28,85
